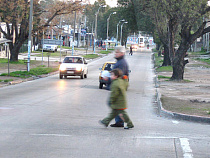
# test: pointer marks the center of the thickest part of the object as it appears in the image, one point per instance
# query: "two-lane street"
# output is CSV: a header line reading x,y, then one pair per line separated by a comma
x,y
58,118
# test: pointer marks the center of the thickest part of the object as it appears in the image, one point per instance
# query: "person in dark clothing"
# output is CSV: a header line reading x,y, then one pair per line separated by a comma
x,y
122,65
131,51
108,67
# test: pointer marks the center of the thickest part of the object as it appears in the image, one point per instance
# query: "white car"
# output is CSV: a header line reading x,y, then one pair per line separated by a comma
x,y
73,66
50,47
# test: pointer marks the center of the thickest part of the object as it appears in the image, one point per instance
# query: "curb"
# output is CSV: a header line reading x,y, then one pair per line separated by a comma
x,y
162,111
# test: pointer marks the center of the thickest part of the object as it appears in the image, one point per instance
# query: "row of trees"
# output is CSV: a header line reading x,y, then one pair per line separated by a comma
x,y
177,22
123,12
15,13
172,22
47,14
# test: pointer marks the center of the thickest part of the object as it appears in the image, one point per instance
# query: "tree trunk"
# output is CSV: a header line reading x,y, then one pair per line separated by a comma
x,y
14,51
179,62
178,68
172,27
166,60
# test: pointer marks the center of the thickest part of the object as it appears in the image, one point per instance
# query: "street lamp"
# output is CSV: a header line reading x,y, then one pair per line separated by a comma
x,y
107,31
117,29
95,37
121,31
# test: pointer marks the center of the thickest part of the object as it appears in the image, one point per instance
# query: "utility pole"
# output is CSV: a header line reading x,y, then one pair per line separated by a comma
x,y
29,36
107,28
117,28
75,14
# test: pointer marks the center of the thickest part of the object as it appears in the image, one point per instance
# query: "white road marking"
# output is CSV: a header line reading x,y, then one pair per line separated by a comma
x,y
175,122
56,135
151,137
6,108
187,151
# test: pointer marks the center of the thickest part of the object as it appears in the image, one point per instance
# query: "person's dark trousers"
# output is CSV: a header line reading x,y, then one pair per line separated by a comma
x,y
115,113
119,121
108,84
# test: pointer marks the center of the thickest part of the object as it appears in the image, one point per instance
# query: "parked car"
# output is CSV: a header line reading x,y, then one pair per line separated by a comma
x,y
50,47
73,66
105,72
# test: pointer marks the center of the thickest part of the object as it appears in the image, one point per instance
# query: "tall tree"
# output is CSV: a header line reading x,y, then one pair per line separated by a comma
x,y
15,13
144,22
184,14
160,19
189,13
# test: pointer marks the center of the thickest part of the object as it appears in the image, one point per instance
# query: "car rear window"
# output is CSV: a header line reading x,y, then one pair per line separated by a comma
x,y
109,66
73,60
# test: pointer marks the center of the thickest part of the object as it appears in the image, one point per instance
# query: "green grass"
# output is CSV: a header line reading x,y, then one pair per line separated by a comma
x,y
186,108
158,60
154,50
187,81
196,53
104,52
91,56
33,72
5,61
64,47
164,69
160,76
204,60
51,54
7,80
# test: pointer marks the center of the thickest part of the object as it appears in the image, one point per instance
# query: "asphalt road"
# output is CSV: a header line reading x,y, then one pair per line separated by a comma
x,y
53,118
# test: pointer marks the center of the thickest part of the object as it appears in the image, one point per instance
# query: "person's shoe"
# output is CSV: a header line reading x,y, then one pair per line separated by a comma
x,y
128,127
117,125
102,123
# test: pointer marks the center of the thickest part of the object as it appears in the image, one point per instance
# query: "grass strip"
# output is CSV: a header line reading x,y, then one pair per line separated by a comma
x,y
91,56
160,76
33,72
104,52
158,60
164,69
204,60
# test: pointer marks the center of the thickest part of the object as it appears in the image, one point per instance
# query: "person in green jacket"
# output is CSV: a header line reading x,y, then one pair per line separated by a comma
x,y
117,100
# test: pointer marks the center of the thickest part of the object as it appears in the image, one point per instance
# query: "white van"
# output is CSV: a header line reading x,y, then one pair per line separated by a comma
x,y
50,47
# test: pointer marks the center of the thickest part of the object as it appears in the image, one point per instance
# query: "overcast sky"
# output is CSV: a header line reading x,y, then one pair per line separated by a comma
x,y
111,3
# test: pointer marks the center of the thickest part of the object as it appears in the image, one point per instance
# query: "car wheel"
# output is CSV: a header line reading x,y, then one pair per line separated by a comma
x,y
100,85
82,76
85,76
60,76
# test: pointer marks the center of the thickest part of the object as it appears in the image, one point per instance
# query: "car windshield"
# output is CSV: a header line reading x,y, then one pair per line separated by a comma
x,y
77,60
109,66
